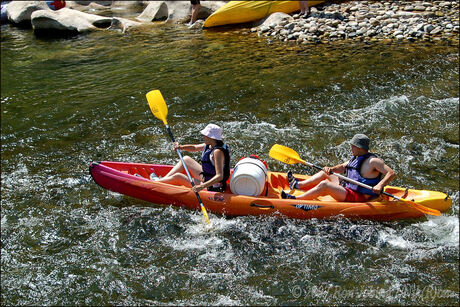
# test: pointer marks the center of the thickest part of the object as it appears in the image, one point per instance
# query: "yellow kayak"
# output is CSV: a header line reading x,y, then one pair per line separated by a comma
x,y
246,11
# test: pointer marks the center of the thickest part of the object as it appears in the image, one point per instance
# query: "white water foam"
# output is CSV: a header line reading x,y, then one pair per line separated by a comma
x,y
441,232
394,239
19,178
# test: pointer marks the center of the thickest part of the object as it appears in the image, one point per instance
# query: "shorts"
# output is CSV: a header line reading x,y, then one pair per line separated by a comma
x,y
195,2
353,196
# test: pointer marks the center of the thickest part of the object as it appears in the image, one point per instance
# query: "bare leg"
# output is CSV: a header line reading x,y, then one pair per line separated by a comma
x,y
316,179
175,175
195,11
304,8
326,187
178,179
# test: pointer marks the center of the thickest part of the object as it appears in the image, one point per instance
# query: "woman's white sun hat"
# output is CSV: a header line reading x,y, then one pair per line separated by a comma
x,y
212,131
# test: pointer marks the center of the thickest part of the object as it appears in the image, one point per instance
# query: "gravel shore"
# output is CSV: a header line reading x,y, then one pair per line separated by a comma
x,y
369,21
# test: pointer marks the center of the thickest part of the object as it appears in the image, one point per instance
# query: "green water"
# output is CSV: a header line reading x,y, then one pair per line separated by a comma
x,y
67,102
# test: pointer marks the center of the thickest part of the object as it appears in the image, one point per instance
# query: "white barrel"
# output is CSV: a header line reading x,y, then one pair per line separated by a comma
x,y
249,177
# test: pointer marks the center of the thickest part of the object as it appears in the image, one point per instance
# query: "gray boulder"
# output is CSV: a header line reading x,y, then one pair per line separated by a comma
x,y
19,12
276,19
73,21
119,8
197,25
176,11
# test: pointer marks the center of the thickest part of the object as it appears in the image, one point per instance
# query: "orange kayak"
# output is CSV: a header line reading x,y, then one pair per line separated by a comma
x,y
132,179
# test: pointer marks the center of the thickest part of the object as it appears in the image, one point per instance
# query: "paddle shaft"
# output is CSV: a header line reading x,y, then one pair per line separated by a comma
x,y
185,166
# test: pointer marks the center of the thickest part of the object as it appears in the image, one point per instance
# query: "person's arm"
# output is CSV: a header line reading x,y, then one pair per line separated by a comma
x,y
219,161
339,168
385,170
189,147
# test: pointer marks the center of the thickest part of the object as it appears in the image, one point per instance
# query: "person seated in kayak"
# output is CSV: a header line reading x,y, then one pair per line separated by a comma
x,y
214,169
363,167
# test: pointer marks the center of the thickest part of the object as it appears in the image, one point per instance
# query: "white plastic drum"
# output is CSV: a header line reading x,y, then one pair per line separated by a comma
x,y
249,177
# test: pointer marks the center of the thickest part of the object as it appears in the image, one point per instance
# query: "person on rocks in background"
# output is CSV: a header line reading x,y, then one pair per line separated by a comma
x,y
363,167
304,9
195,10
55,5
214,169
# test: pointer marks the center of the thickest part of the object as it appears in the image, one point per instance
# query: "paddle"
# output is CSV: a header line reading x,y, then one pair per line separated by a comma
x,y
289,156
160,110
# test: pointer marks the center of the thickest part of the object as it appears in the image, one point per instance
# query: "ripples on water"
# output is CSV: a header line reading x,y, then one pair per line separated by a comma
x,y
71,101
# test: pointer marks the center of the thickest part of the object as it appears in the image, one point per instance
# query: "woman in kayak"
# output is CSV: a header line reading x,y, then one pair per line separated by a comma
x,y
363,167
214,169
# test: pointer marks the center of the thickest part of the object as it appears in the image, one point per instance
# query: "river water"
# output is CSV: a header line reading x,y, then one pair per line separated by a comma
x,y
67,102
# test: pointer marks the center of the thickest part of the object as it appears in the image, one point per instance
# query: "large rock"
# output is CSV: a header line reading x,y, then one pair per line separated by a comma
x,y
73,21
276,19
176,11
119,8
19,12
4,18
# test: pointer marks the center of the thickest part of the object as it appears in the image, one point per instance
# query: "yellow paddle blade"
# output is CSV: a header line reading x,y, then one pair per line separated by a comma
x,y
157,105
422,208
205,213
285,154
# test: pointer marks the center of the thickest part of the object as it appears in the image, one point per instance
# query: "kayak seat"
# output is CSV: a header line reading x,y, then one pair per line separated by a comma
x,y
278,181
275,181
156,171
139,170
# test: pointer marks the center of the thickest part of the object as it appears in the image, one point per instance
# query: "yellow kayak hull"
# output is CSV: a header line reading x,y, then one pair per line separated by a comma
x,y
235,12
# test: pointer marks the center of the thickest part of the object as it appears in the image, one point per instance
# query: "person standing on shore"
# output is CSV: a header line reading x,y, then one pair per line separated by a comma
x,y
304,9
196,6
55,5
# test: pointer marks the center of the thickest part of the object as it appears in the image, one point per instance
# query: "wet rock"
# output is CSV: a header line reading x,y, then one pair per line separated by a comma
x,y
100,7
165,11
176,11
277,19
428,28
290,26
4,16
374,21
284,32
19,12
419,8
313,29
197,25
436,30
264,29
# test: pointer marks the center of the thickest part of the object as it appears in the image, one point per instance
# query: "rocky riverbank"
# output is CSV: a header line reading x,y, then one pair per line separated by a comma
x,y
337,20
367,21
